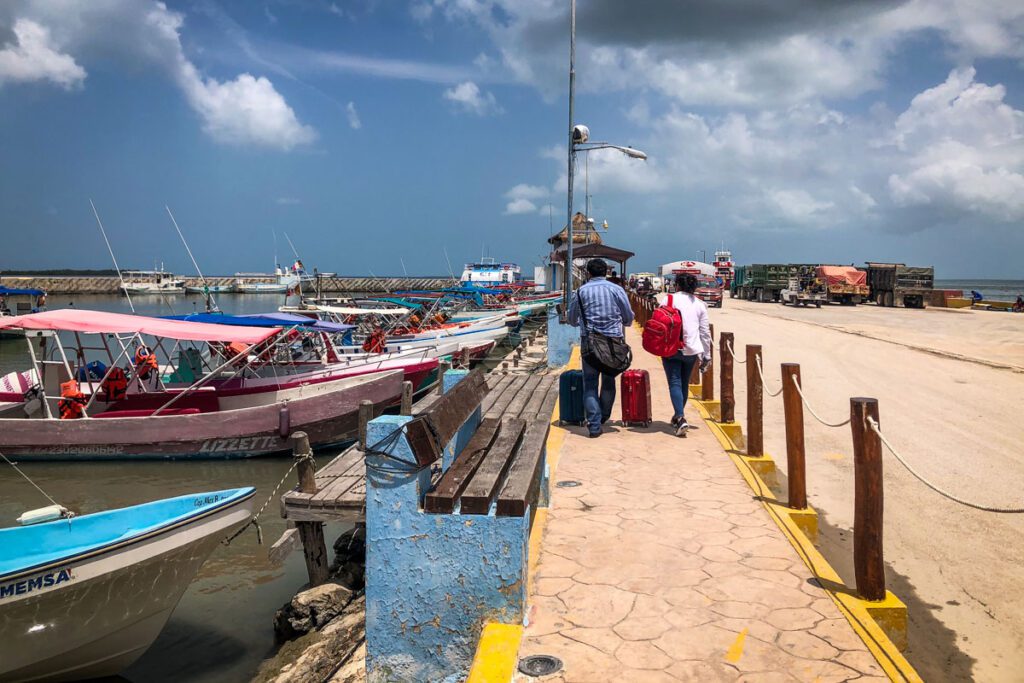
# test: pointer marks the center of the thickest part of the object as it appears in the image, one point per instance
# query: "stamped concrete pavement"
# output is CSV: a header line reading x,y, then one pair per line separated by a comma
x,y
662,566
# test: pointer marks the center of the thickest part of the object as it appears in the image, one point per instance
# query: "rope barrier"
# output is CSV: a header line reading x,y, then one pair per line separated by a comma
x,y
255,521
764,382
811,410
945,494
733,354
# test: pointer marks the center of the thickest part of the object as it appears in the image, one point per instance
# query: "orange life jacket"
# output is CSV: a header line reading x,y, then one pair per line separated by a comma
x,y
115,386
145,361
72,402
376,342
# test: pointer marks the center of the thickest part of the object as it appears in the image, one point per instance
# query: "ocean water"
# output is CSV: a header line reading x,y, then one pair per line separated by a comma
x,y
997,290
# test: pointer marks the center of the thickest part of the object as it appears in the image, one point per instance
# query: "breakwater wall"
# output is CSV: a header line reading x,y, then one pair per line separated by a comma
x,y
111,285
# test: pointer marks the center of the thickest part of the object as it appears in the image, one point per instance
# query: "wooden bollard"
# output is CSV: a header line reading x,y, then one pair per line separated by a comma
x,y
727,395
695,375
365,415
314,548
868,560
406,408
796,467
755,404
707,380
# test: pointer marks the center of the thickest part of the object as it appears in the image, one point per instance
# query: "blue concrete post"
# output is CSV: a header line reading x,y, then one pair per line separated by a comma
x,y
432,580
561,338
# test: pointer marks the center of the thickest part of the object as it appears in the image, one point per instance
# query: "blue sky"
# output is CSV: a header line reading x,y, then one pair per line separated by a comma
x,y
378,132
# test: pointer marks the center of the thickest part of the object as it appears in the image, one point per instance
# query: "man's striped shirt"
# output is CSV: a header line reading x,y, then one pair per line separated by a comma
x,y
605,306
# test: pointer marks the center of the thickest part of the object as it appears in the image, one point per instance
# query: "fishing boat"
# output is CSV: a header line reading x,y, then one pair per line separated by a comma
x,y
279,282
19,301
146,420
151,282
210,289
84,597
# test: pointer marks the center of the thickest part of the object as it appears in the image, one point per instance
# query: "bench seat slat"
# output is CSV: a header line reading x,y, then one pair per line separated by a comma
x,y
483,487
448,489
523,481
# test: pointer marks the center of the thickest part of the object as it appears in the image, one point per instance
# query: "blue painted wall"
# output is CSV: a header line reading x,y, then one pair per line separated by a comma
x,y
561,339
432,581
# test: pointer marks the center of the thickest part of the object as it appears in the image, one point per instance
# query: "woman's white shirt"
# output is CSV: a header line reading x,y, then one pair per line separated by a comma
x,y
696,328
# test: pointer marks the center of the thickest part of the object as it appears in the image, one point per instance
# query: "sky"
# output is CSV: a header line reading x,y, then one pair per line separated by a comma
x,y
388,136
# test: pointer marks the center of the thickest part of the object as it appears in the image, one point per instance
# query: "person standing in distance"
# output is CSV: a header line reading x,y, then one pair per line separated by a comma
x,y
696,346
607,310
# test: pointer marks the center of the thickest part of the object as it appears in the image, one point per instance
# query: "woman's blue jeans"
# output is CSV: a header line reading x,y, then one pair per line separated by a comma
x,y
678,369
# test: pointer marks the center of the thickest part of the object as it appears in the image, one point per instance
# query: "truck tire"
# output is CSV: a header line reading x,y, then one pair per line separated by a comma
x,y
890,300
817,304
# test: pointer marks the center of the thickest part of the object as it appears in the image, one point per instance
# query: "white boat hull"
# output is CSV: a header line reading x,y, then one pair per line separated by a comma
x,y
113,606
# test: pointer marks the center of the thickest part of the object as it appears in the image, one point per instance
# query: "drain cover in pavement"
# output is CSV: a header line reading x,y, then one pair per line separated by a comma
x,y
540,665
567,484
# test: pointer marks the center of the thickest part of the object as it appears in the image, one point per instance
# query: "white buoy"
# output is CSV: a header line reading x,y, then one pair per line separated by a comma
x,y
40,515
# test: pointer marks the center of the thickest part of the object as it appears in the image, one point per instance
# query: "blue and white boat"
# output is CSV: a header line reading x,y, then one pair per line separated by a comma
x,y
489,273
84,597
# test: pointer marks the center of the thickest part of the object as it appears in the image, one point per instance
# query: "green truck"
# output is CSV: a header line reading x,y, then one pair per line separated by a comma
x,y
894,283
760,282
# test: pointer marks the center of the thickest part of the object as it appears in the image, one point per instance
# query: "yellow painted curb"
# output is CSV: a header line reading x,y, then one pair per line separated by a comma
x,y
496,653
882,625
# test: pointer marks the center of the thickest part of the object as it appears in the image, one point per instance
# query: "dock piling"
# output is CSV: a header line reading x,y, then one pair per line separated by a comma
x,y
365,415
442,367
406,398
796,470
755,403
868,561
727,393
314,548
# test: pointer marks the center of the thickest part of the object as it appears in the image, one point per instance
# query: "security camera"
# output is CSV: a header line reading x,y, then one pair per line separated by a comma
x,y
580,134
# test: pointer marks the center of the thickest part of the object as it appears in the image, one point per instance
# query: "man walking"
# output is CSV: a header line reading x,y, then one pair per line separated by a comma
x,y
606,310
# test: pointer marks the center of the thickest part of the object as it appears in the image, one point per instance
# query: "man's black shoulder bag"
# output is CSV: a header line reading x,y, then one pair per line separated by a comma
x,y
609,355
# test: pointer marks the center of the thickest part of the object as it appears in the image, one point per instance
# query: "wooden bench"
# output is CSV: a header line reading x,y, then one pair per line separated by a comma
x,y
503,461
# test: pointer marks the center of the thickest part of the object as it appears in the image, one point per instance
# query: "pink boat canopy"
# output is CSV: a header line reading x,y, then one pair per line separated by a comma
x,y
99,322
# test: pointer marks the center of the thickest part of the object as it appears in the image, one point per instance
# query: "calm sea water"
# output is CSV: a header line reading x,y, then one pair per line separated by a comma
x,y
222,628
999,290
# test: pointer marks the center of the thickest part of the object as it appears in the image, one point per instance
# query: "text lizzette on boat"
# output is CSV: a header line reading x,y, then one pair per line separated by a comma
x,y
211,417
84,597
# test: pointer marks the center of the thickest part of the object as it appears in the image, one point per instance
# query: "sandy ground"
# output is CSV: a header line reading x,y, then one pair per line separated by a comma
x,y
958,422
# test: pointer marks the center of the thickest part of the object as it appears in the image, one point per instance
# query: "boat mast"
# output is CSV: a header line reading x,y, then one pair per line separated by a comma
x,y
211,305
116,267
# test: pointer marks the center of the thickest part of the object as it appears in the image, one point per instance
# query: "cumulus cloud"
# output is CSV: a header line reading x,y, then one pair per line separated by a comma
x,y
32,56
965,150
353,116
522,199
468,97
245,110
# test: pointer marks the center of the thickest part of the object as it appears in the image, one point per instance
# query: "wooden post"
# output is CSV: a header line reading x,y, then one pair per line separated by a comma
x,y
442,368
796,470
707,380
406,408
695,375
755,403
868,562
314,548
726,392
365,415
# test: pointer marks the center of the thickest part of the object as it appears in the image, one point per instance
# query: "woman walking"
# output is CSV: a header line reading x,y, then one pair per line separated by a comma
x,y
696,346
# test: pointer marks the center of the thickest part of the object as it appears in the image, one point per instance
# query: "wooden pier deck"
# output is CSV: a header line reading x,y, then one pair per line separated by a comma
x,y
341,484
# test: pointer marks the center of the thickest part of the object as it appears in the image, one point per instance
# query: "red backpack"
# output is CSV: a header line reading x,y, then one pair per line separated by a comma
x,y
663,333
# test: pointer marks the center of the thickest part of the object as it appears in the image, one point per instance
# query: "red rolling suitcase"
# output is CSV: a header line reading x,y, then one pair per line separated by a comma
x,y
636,397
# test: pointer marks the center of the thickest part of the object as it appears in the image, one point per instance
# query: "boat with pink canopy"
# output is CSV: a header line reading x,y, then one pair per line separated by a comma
x,y
75,410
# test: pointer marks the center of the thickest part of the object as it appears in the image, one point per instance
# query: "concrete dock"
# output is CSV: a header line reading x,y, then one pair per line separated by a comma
x,y
662,565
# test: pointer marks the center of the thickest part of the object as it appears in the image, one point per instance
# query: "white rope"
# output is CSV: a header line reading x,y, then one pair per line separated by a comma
x,y
809,408
933,487
764,382
732,353
47,495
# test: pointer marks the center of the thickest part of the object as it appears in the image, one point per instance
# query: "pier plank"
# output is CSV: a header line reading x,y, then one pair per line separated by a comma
x,y
477,497
523,395
503,399
497,388
451,485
